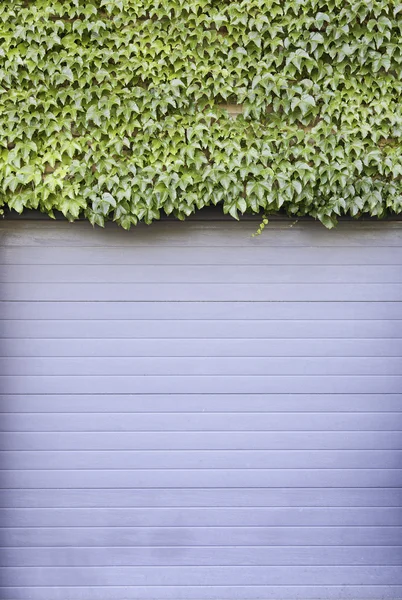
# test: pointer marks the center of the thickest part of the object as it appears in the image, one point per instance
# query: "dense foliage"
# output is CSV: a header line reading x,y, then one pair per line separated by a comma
x,y
117,109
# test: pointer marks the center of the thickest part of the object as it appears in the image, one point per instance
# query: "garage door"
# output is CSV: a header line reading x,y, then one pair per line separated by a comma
x,y
191,413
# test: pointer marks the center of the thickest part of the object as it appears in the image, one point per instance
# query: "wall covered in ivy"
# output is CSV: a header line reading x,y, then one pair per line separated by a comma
x,y
126,109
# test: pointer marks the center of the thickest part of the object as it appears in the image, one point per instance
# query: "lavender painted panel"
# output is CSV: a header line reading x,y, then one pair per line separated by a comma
x,y
190,413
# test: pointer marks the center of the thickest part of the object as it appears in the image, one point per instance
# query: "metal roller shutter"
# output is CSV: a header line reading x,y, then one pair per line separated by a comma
x,y
191,413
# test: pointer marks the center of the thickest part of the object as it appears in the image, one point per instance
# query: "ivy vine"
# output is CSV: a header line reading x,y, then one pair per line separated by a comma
x,y
123,109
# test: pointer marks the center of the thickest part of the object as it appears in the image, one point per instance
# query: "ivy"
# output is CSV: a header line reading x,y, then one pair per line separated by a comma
x,y
123,109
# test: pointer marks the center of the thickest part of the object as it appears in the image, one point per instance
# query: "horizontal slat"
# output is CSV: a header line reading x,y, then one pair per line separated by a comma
x,y
199,556
202,310
201,536
212,273
243,575
209,365
137,403
200,347
185,497
206,592
216,255
154,422
201,234
201,459
201,517
200,478
272,440
213,292
204,329
206,366
242,384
